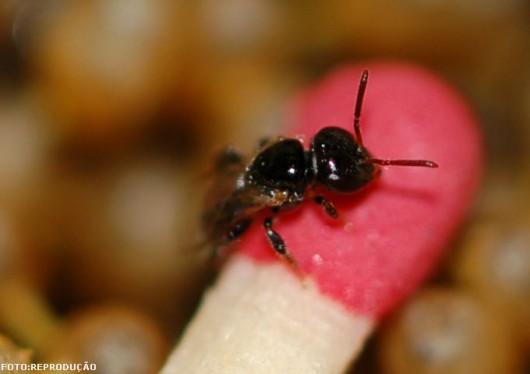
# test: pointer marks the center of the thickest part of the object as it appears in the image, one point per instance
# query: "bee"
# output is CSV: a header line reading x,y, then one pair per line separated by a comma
x,y
282,174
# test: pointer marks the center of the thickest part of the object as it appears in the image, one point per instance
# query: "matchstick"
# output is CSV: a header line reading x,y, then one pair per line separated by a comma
x,y
264,315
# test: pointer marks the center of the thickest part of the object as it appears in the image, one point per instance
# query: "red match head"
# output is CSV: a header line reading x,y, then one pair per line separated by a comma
x,y
400,225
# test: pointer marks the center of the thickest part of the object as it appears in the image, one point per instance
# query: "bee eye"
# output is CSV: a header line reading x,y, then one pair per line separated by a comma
x,y
339,162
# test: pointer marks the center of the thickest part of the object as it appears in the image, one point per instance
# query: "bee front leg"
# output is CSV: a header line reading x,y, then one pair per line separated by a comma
x,y
277,242
328,206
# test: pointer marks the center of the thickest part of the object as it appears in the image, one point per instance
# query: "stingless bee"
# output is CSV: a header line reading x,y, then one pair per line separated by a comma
x,y
282,174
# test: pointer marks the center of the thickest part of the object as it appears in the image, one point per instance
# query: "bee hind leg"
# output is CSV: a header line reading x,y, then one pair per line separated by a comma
x,y
222,247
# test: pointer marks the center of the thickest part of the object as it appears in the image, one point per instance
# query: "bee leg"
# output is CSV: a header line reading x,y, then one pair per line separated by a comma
x,y
221,248
328,206
277,242
238,230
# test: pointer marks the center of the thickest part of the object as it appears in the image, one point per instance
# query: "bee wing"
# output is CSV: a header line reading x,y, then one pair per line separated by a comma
x,y
228,169
230,201
227,206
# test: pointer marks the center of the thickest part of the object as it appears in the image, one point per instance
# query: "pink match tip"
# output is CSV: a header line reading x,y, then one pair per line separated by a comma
x,y
397,228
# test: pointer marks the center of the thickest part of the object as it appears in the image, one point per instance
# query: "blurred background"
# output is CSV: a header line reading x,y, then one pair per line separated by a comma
x,y
110,110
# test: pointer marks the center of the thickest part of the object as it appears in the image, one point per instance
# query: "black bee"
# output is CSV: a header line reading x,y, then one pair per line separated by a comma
x,y
282,174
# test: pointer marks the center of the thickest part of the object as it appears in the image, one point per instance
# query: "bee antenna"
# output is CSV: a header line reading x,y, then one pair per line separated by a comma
x,y
358,107
358,135
420,163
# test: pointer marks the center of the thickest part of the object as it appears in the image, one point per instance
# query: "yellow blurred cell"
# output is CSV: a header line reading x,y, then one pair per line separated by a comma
x,y
132,238
494,263
11,354
523,117
25,173
106,335
26,316
24,150
446,331
429,30
10,245
116,339
241,27
247,100
104,66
